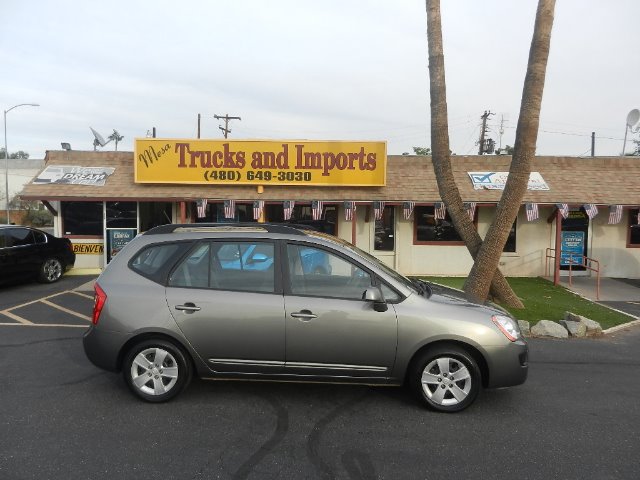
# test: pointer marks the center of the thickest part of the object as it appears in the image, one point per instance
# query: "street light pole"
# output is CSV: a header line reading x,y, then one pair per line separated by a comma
x,y
6,152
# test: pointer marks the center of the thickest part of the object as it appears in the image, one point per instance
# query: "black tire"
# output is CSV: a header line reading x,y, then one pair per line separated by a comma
x,y
160,385
438,365
51,270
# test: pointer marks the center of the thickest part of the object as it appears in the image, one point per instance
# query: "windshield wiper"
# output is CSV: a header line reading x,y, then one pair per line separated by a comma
x,y
423,287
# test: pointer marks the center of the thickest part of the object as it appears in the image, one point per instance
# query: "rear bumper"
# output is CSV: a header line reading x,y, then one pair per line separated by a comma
x,y
508,365
103,347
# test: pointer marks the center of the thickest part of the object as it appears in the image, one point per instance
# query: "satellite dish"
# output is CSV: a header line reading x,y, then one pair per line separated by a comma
x,y
633,117
99,139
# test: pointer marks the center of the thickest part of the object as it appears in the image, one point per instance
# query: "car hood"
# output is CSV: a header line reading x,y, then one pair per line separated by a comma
x,y
451,296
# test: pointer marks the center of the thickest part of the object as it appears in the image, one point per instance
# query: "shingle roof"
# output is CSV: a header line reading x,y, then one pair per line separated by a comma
x,y
599,180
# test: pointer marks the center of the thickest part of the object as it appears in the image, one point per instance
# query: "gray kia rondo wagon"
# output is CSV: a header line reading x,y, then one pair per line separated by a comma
x,y
241,301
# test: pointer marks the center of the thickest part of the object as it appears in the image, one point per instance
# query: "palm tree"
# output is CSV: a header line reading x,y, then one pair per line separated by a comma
x,y
486,262
447,187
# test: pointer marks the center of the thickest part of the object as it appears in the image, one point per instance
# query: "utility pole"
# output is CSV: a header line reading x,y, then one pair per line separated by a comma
x,y
593,144
226,119
483,131
501,131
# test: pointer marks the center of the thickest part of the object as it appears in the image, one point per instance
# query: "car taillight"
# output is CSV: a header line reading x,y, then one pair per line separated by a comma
x,y
99,299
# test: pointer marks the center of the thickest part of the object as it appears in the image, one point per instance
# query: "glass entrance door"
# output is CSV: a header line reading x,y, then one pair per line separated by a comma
x,y
574,240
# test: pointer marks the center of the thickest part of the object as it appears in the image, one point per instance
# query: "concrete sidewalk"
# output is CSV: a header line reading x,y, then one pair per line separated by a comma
x,y
611,289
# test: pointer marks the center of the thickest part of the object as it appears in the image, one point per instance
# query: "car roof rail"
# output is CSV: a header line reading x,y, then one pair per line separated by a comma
x,y
285,228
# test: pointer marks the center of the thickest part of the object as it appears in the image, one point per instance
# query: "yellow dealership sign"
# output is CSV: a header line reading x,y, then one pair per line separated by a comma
x,y
260,162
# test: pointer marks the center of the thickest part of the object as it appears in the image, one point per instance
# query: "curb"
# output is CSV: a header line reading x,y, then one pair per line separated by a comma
x,y
620,327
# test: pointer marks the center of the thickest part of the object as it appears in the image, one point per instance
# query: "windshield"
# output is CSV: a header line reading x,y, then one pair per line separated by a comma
x,y
367,256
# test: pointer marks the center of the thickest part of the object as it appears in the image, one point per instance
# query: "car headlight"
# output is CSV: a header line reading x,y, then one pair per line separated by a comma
x,y
508,326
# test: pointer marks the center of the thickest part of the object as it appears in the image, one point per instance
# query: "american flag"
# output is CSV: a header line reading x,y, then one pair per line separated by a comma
x,y
532,211
407,209
258,206
564,209
349,211
615,214
590,209
378,209
316,210
288,209
439,211
470,207
202,208
229,209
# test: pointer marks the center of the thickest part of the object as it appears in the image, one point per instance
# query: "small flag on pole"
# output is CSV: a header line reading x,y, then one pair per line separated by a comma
x,y
439,211
202,208
470,207
564,209
532,211
316,210
288,209
407,209
229,209
378,209
349,210
590,209
258,207
615,214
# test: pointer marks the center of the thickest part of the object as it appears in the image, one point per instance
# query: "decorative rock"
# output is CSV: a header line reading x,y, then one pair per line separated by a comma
x,y
547,328
575,329
525,327
593,327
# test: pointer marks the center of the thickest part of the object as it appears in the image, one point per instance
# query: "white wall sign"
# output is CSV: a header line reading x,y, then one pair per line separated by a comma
x,y
70,175
497,181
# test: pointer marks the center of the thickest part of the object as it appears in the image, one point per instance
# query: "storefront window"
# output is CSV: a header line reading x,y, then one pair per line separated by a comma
x,y
154,214
122,215
244,213
82,218
634,228
510,246
429,230
302,215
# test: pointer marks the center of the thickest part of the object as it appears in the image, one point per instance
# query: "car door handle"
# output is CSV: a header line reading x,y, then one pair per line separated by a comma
x,y
304,315
188,308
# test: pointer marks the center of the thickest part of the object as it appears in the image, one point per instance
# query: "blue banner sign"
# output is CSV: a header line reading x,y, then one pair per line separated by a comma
x,y
572,247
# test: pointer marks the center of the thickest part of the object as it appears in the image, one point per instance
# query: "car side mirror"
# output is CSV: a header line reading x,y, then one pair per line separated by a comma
x,y
258,258
374,295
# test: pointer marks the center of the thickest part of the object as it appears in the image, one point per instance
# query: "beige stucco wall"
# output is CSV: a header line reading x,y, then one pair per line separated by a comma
x,y
608,245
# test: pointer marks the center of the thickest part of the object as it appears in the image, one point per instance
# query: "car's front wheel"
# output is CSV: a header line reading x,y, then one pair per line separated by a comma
x,y
446,378
51,270
156,370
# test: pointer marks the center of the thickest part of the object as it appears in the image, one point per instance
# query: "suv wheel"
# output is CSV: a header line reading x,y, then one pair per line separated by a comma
x,y
156,370
446,379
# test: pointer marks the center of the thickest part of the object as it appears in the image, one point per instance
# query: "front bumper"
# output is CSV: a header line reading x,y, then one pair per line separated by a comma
x,y
508,365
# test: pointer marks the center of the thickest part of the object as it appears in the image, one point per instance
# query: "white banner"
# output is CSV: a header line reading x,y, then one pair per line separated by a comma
x,y
497,181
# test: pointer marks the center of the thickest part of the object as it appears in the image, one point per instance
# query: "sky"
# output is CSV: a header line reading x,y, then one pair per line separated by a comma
x,y
301,69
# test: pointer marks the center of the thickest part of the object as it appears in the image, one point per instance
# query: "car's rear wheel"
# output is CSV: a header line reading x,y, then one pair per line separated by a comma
x,y
51,270
156,370
446,378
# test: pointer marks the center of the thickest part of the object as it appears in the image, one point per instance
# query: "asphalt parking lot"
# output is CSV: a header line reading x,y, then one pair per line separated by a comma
x,y
61,418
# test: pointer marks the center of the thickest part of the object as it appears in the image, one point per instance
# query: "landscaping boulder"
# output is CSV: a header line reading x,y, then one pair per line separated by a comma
x,y
547,328
593,327
575,329
525,327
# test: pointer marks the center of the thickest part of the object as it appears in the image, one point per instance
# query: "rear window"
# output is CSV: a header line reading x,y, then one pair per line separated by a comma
x,y
155,261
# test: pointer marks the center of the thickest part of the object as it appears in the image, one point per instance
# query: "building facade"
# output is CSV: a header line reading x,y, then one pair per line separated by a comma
x,y
400,221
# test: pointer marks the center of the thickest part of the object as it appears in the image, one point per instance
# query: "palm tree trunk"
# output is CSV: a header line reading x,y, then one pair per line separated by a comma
x,y
447,187
486,263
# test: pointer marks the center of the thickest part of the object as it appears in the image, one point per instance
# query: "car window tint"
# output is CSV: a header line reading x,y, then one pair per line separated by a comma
x,y
40,237
18,237
319,273
388,293
152,259
243,266
193,271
